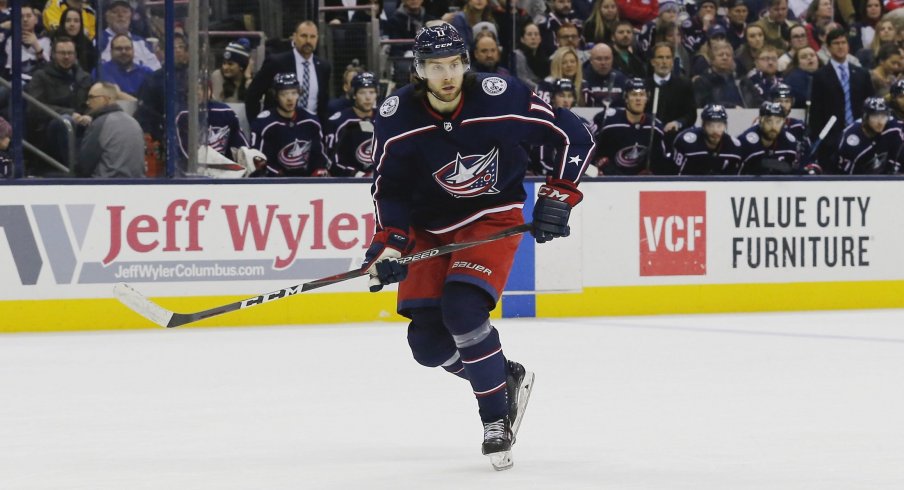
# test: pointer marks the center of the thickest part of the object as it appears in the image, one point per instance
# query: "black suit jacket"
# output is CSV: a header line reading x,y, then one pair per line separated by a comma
x,y
676,101
285,63
828,97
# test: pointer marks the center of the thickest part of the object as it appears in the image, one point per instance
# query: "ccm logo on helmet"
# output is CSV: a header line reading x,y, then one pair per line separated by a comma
x,y
440,46
551,193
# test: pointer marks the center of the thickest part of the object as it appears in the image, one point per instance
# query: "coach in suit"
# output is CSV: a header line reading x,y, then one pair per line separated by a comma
x,y
313,74
676,109
839,89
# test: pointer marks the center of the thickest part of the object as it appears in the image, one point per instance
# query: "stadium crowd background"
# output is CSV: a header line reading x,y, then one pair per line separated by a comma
x,y
574,53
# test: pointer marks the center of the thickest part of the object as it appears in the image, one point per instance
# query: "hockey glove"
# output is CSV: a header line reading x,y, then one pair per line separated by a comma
x,y
551,212
381,258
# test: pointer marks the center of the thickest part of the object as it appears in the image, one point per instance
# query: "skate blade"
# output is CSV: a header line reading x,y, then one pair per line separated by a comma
x,y
502,460
527,387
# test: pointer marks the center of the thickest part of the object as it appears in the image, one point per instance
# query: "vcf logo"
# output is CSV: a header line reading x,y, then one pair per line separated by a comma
x,y
61,253
673,233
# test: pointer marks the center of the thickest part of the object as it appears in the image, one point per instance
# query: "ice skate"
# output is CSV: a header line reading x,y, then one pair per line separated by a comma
x,y
520,384
497,443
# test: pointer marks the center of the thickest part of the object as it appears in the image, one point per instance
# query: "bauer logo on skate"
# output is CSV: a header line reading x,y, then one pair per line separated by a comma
x,y
673,233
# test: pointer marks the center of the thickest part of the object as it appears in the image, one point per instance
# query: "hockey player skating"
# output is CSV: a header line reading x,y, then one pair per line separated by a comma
x,y
766,148
289,136
708,150
350,132
449,166
872,144
623,136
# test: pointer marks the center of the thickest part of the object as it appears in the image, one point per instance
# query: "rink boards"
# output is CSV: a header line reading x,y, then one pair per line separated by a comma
x,y
637,247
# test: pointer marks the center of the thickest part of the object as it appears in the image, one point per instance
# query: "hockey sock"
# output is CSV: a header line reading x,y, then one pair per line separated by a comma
x,y
431,343
455,366
466,315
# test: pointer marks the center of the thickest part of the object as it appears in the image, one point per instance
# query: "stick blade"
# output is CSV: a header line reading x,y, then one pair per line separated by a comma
x,y
128,296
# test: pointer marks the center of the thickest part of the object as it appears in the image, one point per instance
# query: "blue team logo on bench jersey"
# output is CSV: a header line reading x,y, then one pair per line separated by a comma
x,y
470,175
295,154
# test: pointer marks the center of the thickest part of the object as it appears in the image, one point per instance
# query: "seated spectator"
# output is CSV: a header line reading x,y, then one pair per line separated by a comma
x,y
800,75
230,80
113,145
863,31
6,160
702,60
637,12
404,23
819,14
745,56
350,131
775,24
718,85
152,95
737,22
288,135
63,86
121,69
486,55
600,26
35,47
885,34
668,15
569,36
676,94
345,99
757,86
625,58
798,36
474,12
671,35
603,85
510,23
564,64
84,47
118,17
887,70
532,64
695,29
560,12
55,9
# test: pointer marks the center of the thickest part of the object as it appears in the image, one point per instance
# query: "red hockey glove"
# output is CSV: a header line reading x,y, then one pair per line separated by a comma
x,y
320,172
380,260
551,212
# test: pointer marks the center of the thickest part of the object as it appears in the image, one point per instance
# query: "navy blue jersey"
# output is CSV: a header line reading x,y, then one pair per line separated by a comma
x,y
603,91
293,146
543,158
622,146
349,139
223,130
693,157
761,160
441,172
860,153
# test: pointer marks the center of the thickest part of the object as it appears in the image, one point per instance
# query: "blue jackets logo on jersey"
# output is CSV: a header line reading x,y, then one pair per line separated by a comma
x,y
470,175
364,152
631,156
295,154
218,137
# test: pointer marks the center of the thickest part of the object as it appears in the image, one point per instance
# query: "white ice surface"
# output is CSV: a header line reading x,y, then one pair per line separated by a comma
x,y
771,401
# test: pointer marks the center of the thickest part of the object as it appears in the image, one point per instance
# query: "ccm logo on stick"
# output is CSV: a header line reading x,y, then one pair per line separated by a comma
x,y
673,233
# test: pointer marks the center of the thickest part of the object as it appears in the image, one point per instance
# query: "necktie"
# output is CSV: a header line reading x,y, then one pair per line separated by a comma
x,y
305,84
846,86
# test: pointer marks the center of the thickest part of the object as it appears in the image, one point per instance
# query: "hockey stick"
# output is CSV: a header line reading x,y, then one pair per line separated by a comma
x,y
822,134
128,296
653,126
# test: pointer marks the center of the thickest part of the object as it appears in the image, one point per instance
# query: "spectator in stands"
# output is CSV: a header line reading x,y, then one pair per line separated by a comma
x,y
825,53
603,85
405,22
754,40
798,40
232,78
345,99
702,59
885,34
121,69
737,22
718,85
819,14
569,36
35,47
671,34
637,12
676,94
55,9
887,70
113,145
63,86
509,15
695,29
600,26
84,47
560,12
776,24
532,64
757,86
6,160
485,58
800,75
473,13
118,17
625,59
152,95
668,15
564,64
863,31
312,72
